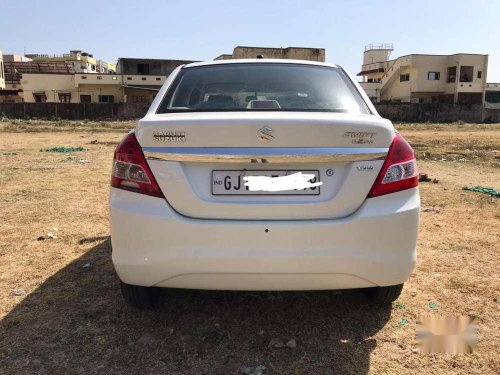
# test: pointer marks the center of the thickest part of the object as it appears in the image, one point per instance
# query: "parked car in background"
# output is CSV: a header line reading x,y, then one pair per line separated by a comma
x,y
263,175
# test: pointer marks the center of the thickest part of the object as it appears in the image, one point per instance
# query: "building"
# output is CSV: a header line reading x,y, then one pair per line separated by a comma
x,y
58,82
49,76
104,67
82,62
417,78
492,93
45,86
15,58
2,73
295,53
142,78
138,66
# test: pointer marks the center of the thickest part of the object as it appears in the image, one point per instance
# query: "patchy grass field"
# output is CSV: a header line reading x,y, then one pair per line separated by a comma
x,y
61,309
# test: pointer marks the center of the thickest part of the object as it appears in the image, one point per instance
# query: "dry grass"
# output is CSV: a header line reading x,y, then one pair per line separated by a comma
x,y
455,142
72,318
37,126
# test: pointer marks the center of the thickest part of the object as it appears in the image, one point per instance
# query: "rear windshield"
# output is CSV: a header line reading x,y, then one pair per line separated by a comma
x,y
262,87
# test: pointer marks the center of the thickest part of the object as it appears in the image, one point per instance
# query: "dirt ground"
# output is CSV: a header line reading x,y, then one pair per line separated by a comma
x,y
61,309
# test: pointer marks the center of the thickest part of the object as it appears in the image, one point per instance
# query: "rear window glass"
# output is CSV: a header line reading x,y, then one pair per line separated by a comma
x,y
262,87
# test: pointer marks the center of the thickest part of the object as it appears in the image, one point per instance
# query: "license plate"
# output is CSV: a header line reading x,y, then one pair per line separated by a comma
x,y
230,182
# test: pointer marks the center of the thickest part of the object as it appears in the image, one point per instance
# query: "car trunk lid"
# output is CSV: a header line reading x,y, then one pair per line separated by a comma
x,y
187,151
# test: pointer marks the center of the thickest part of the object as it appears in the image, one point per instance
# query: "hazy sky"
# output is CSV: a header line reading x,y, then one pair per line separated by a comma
x,y
202,30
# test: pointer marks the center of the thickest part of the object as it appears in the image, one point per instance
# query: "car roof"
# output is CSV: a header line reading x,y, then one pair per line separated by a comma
x,y
259,61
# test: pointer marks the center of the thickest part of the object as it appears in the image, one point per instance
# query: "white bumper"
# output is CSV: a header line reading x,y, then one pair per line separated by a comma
x,y
155,246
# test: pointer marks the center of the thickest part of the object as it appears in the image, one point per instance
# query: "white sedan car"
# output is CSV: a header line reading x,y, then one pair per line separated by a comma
x,y
263,175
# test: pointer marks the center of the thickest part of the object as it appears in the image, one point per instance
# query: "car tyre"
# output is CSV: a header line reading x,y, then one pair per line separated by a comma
x,y
140,297
384,294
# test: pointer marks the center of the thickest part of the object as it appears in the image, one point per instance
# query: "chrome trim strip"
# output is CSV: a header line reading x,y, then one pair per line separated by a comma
x,y
264,154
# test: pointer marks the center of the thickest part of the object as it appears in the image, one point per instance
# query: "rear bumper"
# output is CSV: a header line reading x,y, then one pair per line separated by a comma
x,y
155,246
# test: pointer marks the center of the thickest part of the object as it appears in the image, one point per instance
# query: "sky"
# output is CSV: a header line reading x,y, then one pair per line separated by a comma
x,y
202,30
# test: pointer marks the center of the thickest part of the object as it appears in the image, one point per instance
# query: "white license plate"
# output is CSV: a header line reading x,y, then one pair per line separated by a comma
x,y
230,182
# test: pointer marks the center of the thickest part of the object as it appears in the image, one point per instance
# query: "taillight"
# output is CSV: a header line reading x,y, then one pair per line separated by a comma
x,y
399,171
130,169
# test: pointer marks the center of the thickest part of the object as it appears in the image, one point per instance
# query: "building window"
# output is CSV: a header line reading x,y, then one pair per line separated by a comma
x,y
99,77
40,98
158,78
452,74
85,99
143,78
142,68
479,74
433,76
106,99
404,77
84,77
139,99
114,78
65,97
466,73
129,78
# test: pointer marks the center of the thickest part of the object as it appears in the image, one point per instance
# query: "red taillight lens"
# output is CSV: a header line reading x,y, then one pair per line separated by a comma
x,y
399,171
131,171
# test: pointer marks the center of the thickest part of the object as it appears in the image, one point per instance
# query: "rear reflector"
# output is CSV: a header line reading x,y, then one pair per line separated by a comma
x,y
131,170
399,171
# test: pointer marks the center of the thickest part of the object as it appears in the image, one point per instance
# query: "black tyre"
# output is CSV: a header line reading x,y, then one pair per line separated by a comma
x,y
384,294
140,297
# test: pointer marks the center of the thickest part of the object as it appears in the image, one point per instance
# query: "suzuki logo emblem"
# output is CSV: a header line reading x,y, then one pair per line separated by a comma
x,y
266,134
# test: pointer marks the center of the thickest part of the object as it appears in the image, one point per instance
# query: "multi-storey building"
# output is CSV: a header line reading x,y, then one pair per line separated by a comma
x,y
459,78
34,81
82,62
142,78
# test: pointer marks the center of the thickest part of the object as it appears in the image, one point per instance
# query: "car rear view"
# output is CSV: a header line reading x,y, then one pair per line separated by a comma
x,y
263,175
